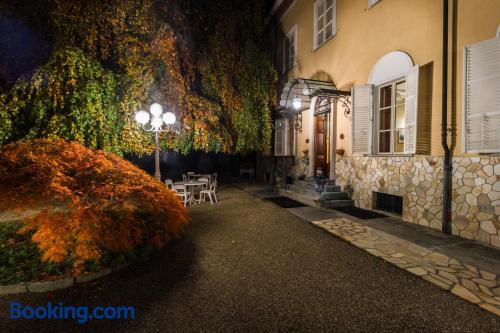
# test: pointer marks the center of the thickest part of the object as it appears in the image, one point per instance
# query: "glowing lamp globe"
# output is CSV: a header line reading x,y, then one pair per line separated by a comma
x,y
142,117
169,118
156,109
297,103
156,122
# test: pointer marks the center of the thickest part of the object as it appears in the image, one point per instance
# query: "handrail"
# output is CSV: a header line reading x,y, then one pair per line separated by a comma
x,y
304,158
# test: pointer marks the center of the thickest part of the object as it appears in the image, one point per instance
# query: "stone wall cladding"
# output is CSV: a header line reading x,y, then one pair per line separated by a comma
x,y
418,179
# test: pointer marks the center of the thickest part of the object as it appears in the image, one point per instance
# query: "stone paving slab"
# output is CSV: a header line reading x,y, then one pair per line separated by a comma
x,y
466,281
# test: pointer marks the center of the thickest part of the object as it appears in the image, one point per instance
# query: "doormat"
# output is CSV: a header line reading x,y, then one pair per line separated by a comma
x,y
285,202
360,213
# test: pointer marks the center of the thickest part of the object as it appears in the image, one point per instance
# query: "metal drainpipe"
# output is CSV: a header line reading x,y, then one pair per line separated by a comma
x,y
447,165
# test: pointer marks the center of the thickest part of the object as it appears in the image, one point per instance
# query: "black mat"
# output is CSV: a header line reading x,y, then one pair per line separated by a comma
x,y
360,213
285,202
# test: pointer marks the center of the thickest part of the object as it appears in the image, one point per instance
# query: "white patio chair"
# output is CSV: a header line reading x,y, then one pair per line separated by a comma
x,y
210,192
214,176
190,175
181,191
184,178
206,181
208,176
169,183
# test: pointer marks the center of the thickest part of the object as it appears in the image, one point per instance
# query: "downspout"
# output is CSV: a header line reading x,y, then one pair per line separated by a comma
x,y
447,165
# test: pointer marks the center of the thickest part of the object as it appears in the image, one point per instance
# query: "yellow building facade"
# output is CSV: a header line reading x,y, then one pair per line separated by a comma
x,y
388,54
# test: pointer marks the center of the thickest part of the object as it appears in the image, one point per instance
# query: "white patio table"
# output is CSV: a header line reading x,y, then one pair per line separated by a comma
x,y
192,184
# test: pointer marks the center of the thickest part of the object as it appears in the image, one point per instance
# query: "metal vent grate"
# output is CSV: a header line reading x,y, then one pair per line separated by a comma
x,y
388,202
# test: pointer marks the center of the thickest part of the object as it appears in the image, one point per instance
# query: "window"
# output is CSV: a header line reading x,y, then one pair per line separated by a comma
x,y
481,97
290,50
324,21
391,114
384,116
283,137
372,3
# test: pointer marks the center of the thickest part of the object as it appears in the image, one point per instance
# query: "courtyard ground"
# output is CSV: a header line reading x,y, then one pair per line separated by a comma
x,y
246,265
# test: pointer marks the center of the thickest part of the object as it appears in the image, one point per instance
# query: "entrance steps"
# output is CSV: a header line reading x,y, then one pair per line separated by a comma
x,y
304,191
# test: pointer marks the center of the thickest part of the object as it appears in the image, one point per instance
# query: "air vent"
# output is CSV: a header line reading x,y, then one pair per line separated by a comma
x,y
388,202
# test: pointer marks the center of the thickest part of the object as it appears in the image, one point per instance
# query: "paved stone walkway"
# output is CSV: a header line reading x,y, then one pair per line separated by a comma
x,y
466,281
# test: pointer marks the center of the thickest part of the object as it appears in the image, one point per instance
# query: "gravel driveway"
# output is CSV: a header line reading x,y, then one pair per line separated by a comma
x,y
246,265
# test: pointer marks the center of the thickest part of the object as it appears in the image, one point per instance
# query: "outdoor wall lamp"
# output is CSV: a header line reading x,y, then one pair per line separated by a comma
x,y
153,121
297,102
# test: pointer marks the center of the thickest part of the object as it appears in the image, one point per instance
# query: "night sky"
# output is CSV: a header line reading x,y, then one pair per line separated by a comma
x,y
23,46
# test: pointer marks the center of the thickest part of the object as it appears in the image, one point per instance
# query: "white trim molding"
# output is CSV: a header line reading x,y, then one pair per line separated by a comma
x,y
391,66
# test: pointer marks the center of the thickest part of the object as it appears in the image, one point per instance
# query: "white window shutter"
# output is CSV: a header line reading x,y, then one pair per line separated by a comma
x,y
285,54
482,97
411,108
362,123
279,137
286,140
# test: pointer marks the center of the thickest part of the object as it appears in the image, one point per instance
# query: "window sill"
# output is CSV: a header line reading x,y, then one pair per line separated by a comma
x,y
389,155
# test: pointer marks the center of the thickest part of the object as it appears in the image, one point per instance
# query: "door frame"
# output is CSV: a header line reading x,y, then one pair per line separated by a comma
x,y
333,139
326,142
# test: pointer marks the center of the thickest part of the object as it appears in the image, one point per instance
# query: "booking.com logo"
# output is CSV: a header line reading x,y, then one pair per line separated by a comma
x,y
81,314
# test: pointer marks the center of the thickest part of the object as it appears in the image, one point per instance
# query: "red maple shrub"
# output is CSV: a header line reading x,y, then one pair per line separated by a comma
x,y
90,201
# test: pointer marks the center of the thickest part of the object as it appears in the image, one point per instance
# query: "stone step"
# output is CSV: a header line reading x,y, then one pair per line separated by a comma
x,y
305,199
314,202
336,203
334,196
304,191
311,185
305,184
332,188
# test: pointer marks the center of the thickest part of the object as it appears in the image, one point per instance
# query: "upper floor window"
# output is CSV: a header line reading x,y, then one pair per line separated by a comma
x,y
290,49
372,3
324,21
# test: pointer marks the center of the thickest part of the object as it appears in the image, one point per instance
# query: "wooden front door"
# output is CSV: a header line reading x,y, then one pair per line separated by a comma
x,y
321,144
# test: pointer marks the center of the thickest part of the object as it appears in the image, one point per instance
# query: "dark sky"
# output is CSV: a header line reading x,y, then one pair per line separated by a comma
x,y
21,48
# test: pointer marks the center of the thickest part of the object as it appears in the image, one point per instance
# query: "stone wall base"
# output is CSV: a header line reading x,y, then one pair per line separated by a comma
x,y
418,180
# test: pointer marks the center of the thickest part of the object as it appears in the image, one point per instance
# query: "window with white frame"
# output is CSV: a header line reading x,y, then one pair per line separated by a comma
x,y
372,3
324,21
290,49
481,107
283,137
384,117
390,115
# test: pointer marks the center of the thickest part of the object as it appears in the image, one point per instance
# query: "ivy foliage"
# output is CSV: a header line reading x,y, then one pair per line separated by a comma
x,y
237,72
113,58
70,97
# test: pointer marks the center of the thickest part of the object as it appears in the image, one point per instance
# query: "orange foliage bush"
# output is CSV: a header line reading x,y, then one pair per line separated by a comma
x,y
92,200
